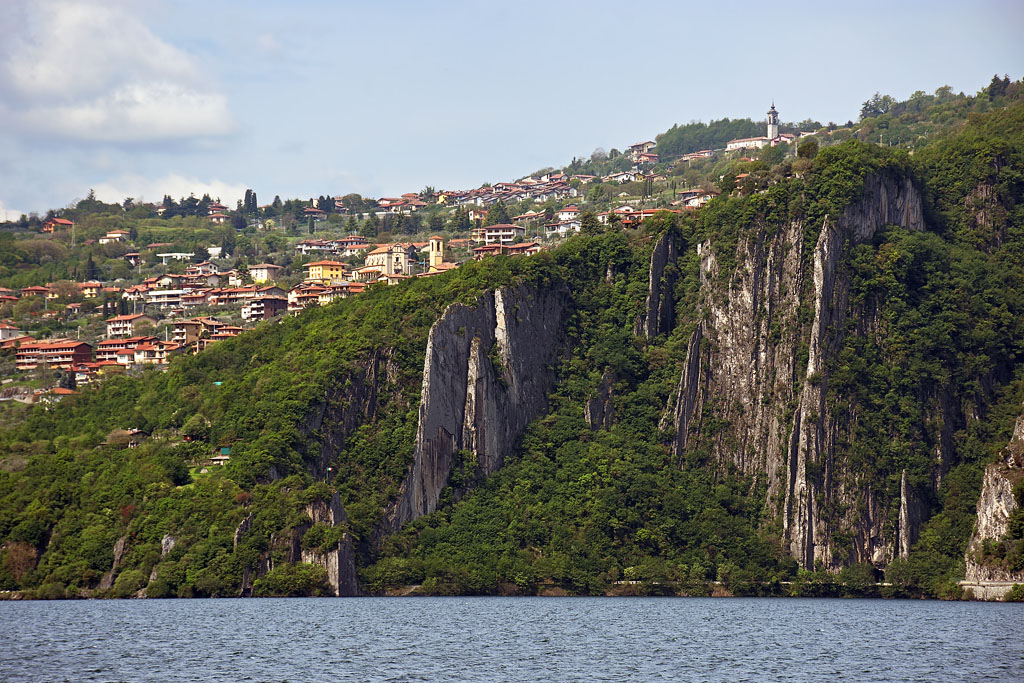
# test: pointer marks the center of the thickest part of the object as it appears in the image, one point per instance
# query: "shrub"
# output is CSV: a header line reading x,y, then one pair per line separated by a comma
x,y
292,580
1016,593
51,591
128,583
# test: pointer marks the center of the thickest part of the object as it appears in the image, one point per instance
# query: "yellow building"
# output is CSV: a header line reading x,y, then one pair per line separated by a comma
x,y
325,272
436,252
392,259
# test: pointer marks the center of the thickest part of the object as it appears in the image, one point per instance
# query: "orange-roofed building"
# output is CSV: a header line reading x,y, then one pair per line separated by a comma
x,y
59,353
125,325
325,272
54,224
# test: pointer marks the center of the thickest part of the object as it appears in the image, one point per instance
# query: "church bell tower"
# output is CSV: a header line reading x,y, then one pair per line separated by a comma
x,y
773,123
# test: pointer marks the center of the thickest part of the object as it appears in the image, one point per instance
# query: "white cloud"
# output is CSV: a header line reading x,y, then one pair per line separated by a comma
x,y
9,214
269,45
173,184
96,73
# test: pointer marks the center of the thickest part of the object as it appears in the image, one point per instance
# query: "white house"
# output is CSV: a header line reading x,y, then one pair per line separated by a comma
x,y
175,256
115,236
125,325
264,272
501,233
562,228
568,213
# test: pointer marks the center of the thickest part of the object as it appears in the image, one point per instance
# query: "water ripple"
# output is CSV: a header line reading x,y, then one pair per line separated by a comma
x,y
510,639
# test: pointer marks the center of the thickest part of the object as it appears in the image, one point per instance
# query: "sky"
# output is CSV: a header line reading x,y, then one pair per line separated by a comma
x,y
141,98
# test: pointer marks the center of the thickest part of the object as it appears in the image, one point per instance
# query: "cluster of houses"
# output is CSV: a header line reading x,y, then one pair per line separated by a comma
x,y
125,346
204,285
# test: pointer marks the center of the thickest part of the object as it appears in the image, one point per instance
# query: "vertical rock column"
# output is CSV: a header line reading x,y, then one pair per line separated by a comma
x,y
487,372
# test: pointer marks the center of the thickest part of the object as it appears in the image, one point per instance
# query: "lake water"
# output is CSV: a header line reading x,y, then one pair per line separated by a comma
x,y
512,639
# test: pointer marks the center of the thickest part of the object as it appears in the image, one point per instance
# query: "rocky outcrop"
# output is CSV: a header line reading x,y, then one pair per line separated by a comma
x,y
995,505
687,392
243,528
168,542
340,561
599,410
487,372
757,365
107,580
352,401
910,517
658,316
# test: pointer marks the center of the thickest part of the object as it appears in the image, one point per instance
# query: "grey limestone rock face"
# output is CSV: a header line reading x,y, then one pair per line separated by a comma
x,y
995,505
340,562
658,316
168,542
742,363
346,406
599,410
487,373
107,580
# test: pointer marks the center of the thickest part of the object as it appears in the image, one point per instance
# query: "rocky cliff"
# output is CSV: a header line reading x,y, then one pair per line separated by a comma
x,y
346,405
995,505
658,316
754,384
487,372
339,561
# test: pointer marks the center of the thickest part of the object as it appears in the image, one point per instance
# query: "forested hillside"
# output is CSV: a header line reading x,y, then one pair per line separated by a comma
x,y
860,314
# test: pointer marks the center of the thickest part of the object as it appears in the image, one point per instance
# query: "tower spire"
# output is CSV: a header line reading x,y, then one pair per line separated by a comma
x,y
773,122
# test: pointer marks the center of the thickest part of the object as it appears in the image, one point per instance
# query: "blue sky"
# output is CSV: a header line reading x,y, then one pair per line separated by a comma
x,y
141,98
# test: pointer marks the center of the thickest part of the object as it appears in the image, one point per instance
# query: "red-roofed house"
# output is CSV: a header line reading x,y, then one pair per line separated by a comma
x,y
60,353
264,308
54,224
523,249
115,236
487,250
264,272
568,213
9,332
155,353
324,272
124,325
500,233
108,349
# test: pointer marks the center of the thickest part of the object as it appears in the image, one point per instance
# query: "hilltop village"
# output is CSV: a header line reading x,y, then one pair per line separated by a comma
x,y
145,292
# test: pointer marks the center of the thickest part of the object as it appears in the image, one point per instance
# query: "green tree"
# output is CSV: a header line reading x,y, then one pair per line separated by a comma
x,y
998,87
497,214
808,149
773,155
371,226
197,428
91,272
436,223
460,222
589,225
227,242
877,105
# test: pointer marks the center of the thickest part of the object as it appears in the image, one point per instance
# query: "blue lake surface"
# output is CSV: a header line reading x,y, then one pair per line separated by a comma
x,y
511,639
